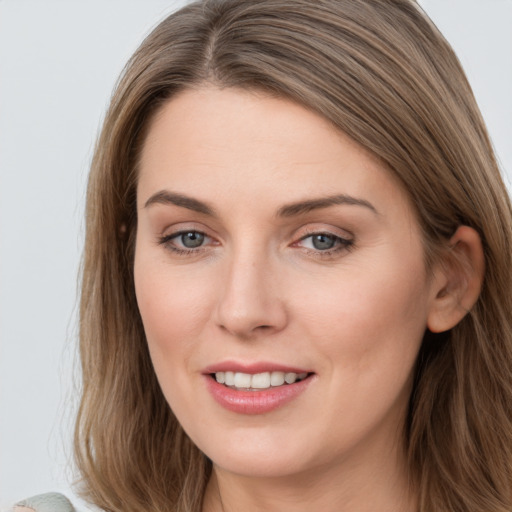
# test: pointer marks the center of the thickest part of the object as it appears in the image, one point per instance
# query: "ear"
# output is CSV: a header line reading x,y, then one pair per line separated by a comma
x,y
457,280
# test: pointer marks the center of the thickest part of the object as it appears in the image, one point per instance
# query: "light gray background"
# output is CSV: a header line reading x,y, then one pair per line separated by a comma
x,y
58,63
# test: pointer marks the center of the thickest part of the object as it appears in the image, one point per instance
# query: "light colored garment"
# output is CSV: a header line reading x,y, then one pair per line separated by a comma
x,y
50,502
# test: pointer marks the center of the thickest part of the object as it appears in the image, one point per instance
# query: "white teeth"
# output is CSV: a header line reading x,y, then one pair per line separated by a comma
x,y
277,378
290,378
242,380
259,380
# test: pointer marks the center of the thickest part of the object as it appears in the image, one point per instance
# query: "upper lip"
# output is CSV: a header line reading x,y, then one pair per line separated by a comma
x,y
252,368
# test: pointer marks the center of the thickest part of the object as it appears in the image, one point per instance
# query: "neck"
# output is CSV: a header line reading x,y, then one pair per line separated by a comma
x,y
381,484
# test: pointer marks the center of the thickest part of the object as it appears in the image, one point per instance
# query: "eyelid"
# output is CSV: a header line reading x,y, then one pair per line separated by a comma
x,y
180,227
344,242
173,233
323,229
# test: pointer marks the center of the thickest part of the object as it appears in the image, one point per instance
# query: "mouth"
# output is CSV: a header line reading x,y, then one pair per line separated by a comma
x,y
256,387
241,381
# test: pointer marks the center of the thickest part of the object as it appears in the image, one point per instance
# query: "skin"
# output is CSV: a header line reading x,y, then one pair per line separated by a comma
x,y
258,289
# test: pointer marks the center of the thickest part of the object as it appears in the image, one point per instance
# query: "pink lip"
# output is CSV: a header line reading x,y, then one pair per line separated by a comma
x,y
252,368
254,402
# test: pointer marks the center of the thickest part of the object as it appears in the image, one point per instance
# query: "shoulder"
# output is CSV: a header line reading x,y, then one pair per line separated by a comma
x,y
50,502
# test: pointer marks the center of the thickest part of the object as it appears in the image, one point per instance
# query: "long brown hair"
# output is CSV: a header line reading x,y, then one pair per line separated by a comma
x,y
381,72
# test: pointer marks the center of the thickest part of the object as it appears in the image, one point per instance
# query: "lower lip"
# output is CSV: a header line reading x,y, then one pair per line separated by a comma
x,y
255,402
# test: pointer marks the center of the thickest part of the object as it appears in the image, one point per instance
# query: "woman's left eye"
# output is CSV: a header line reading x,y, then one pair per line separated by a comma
x,y
324,242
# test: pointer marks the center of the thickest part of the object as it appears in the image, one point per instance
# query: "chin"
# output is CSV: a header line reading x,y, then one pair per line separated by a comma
x,y
266,466
253,453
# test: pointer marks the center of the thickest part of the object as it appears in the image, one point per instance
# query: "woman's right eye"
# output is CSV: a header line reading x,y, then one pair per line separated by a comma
x,y
185,241
191,239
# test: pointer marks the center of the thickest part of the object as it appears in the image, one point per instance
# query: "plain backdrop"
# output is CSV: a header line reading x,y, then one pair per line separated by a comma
x,y
58,63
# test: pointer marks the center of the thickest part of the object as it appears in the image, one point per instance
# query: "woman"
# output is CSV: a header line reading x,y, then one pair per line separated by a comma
x,y
296,286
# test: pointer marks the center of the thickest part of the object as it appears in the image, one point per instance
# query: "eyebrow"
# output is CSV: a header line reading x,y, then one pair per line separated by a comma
x,y
167,197
289,210
303,207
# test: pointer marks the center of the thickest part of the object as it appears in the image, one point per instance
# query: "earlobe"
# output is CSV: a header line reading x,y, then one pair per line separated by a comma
x,y
458,280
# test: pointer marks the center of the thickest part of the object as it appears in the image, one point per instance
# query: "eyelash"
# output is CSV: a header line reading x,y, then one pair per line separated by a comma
x,y
167,242
340,244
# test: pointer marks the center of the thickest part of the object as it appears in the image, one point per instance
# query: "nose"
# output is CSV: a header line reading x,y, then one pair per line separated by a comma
x,y
249,303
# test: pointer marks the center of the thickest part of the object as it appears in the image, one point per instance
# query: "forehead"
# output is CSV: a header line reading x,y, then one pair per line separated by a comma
x,y
250,145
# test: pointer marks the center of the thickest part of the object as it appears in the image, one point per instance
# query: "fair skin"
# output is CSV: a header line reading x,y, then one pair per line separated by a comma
x,y
266,237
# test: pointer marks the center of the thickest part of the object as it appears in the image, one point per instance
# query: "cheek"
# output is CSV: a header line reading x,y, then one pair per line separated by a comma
x,y
366,333
174,308
371,322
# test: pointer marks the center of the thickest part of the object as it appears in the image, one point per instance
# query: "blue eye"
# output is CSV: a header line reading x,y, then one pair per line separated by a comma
x,y
191,239
323,242
326,243
185,241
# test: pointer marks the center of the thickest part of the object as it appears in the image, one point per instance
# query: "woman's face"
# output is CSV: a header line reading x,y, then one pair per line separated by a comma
x,y
272,247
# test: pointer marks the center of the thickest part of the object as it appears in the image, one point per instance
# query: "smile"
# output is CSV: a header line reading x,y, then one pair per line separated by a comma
x,y
258,381
256,389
